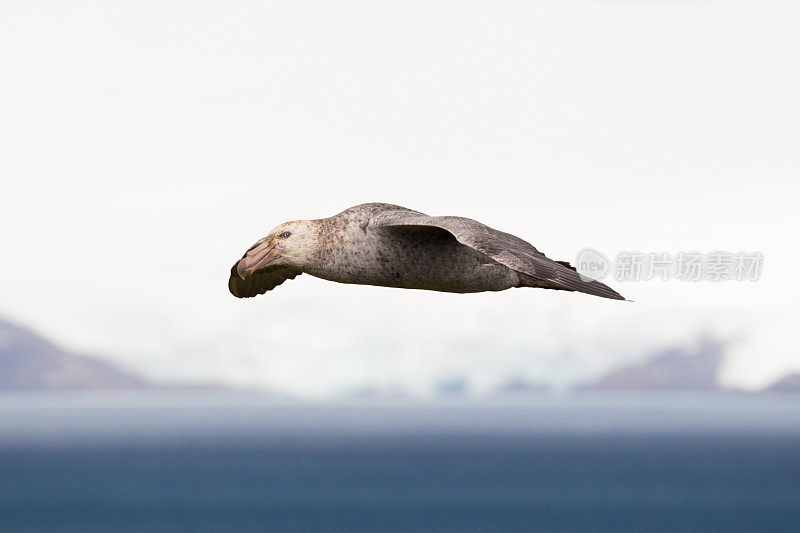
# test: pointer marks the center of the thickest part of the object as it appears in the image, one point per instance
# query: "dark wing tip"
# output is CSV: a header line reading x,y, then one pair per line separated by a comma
x,y
232,285
568,280
241,288
260,281
595,288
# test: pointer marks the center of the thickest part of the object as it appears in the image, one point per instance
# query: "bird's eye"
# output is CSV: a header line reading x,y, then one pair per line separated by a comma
x,y
285,235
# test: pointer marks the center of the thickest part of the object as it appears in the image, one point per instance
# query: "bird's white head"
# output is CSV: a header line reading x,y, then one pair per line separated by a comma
x,y
290,244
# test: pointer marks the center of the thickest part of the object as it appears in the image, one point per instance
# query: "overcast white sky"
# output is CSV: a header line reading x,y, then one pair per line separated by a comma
x,y
145,145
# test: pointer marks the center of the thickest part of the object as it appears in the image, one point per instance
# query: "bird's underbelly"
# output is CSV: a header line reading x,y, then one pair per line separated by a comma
x,y
447,267
485,277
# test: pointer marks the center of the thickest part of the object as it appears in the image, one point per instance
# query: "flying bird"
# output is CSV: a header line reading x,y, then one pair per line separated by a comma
x,y
391,246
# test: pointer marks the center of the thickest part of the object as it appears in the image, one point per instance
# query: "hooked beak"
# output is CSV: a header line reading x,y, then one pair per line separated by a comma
x,y
257,257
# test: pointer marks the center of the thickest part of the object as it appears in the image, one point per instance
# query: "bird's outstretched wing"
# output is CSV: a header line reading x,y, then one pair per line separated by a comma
x,y
537,269
260,281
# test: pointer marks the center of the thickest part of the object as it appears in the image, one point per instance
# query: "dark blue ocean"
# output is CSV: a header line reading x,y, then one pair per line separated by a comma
x,y
182,463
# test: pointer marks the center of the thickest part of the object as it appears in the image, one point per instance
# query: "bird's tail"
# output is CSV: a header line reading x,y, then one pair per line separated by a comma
x,y
566,278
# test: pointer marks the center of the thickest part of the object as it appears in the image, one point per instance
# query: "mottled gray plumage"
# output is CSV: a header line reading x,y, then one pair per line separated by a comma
x,y
389,245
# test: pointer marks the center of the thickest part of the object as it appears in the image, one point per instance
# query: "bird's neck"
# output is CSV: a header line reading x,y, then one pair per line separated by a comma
x,y
336,240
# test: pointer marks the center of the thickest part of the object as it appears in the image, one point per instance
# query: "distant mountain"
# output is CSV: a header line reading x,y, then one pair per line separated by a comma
x,y
681,369
452,386
378,392
520,387
30,362
789,383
